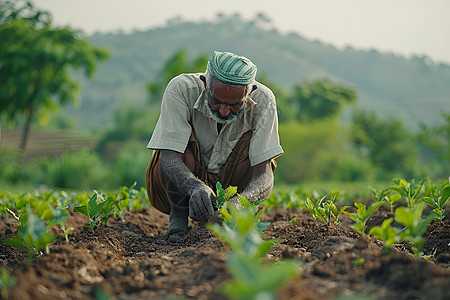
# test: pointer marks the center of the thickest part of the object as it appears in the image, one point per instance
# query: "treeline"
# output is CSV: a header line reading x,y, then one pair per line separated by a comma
x,y
413,89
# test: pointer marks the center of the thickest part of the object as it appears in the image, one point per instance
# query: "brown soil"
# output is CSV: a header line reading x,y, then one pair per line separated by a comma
x,y
129,260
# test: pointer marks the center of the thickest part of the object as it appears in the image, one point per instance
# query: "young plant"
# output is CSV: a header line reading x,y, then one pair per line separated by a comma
x,y
7,282
252,279
384,195
437,198
127,199
325,210
414,224
255,280
95,210
59,217
224,195
362,215
241,230
32,234
386,233
410,190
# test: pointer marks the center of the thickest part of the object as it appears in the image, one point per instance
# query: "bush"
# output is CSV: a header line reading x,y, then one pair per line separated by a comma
x,y
83,169
12,170
312,150
130,165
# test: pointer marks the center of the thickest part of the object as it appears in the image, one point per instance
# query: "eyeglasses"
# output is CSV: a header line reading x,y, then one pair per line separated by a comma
x,y
216,104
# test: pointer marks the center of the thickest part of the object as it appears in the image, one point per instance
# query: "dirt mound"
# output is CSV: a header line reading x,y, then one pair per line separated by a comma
x,y
129,260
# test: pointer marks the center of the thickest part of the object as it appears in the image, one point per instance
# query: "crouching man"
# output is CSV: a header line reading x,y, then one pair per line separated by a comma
x,y
222,126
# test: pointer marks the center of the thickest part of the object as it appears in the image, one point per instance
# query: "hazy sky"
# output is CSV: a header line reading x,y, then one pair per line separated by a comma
x,y
406,27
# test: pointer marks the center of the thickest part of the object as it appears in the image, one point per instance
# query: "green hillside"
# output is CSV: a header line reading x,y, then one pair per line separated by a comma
x,y
415,90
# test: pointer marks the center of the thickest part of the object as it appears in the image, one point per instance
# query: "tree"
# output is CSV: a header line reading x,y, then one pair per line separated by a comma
x,y
284,108
174,66
35,63
132,122
436,141
386,142
319,99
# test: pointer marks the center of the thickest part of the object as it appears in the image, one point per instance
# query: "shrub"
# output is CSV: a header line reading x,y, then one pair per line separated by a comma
x,y
130,164
83,169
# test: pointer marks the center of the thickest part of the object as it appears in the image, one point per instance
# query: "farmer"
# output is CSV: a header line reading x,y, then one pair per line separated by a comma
x,y
218,126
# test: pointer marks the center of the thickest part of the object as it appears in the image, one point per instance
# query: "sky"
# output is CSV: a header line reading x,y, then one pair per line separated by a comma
x,y
404,27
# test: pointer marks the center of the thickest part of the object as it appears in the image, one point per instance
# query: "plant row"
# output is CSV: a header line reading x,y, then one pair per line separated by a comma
x,y
36,212
410,216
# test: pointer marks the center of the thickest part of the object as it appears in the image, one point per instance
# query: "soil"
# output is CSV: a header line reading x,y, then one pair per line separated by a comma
x,y
129,260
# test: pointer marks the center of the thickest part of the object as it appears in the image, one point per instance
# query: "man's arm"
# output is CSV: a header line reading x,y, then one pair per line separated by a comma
x,y
199,195
260,184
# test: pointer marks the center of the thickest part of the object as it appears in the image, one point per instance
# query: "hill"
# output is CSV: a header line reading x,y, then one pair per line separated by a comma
x,y
414,89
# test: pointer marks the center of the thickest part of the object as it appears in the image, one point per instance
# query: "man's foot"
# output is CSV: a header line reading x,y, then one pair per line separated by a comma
x,y
178,224
174,232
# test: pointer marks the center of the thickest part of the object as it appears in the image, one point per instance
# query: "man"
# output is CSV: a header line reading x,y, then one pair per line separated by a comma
x,y
218,126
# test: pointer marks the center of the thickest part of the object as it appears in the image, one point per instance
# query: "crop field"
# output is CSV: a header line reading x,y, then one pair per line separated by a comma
x,y
297,244
47,144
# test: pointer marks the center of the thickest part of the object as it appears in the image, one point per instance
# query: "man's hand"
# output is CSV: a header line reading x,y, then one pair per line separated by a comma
x,y
200,204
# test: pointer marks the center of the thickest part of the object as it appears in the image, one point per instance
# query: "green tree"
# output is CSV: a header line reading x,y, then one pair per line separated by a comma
x,y
319,99
436,140
175,65
131,122
386,142
35,63
284,109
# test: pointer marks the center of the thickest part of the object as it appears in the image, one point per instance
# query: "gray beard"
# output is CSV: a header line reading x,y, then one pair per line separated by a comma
x,y
216,116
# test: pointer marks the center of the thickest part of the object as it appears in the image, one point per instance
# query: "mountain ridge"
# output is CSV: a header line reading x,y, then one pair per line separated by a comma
x,y
415,89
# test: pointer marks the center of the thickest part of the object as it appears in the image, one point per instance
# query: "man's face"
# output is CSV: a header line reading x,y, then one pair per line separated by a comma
x,y
226,103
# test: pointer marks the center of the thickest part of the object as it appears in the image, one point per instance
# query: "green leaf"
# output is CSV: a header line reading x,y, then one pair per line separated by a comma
x,y
220,195
7,282
16,242
404,216
93,207
445,195
230,192
244,202
59,217
385,232
44,210
82,209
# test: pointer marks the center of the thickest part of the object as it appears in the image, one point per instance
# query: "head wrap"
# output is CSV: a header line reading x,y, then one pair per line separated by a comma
x,y
231,68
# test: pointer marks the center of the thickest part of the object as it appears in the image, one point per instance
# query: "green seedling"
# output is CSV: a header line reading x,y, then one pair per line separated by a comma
x,y
224,195
7,282
384,195
59,217
437,200
414,224
410,190
242,231
325,210
288,199
32,234
252,280
362,215
386,233
126,199
95,210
